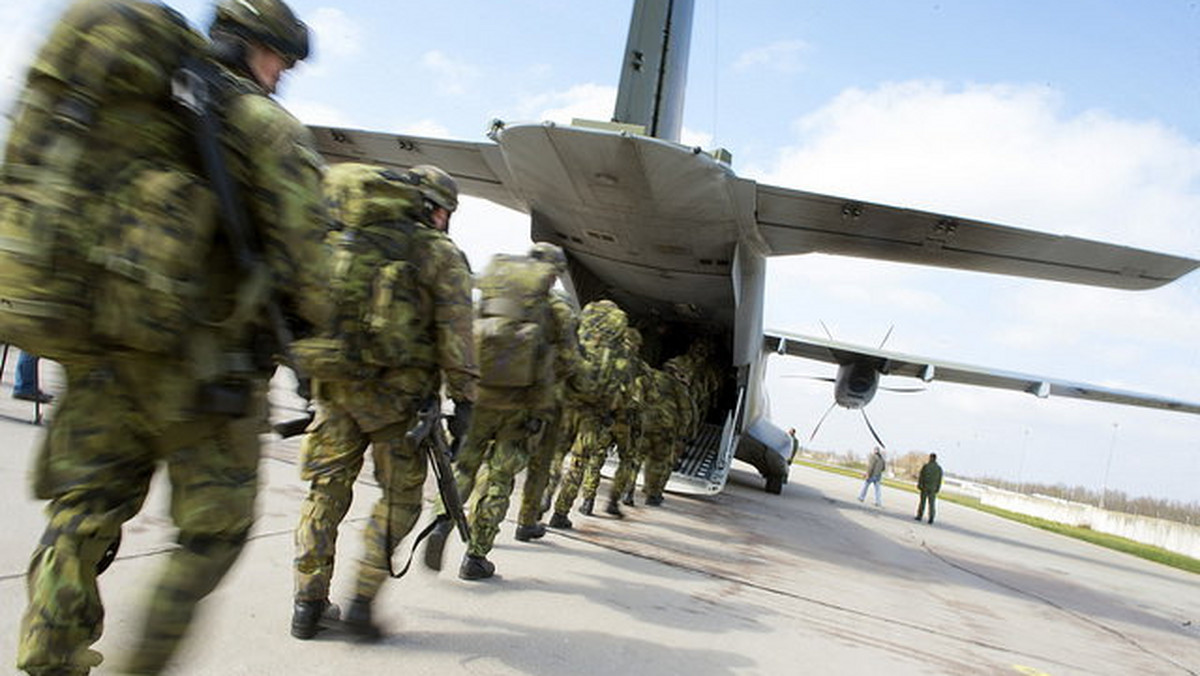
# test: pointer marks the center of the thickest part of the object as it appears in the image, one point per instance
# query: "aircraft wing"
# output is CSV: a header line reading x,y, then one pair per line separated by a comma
x,y
892,363
795,222
479,168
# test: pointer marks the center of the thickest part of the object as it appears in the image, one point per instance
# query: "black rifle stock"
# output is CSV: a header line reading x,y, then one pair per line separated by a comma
x,y
429,424
191,87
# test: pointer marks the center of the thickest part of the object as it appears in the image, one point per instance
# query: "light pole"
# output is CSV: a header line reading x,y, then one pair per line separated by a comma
x,y
1112,446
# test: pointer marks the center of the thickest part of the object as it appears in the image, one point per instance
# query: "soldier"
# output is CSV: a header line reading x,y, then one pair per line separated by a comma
x,y
516,293
545,461
606,362
125,411
629,434
661,433
658,470
375,404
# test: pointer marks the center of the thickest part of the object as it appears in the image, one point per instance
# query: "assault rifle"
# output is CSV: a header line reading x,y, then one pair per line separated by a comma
x,y
429,425
192,88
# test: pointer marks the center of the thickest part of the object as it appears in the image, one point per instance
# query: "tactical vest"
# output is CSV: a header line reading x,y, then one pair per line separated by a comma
x,y
381,319
512,330
104,224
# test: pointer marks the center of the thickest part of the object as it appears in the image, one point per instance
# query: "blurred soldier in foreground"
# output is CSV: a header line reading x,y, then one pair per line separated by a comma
x,y
191,396
402,290
526,343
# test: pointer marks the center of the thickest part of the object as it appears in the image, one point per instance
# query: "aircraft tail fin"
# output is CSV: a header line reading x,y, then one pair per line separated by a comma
x,y
654,69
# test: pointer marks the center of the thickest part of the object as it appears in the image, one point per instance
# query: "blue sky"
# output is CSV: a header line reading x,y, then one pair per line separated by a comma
x,y
1068,116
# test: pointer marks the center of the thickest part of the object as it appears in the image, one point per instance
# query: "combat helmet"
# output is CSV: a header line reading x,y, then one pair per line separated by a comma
x,y
436,186
268,22
549,253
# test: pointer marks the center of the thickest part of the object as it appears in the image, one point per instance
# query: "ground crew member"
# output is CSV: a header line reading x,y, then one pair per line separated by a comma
x,y
379,410
126,411
929,482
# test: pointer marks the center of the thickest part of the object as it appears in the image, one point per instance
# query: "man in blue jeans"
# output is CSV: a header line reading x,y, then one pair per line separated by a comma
x,y
25,385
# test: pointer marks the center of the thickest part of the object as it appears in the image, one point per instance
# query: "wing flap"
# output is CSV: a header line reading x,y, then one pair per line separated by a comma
x,y
793,221
479,168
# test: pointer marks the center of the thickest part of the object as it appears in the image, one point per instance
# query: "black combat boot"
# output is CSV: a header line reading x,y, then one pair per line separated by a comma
x,y
435,545
560,520
530,532
654,500
628,499
476,568
614,508
358,622
587,506
310,617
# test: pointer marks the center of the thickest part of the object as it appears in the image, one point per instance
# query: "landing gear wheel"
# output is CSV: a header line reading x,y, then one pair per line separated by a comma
x,y
774,485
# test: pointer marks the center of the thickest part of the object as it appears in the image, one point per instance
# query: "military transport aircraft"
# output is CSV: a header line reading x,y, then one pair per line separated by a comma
x,y
680,241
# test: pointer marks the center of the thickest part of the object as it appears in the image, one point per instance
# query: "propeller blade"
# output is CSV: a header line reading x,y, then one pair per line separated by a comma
x,y
826,329
900,389
871,427
823,416
886,336
827,379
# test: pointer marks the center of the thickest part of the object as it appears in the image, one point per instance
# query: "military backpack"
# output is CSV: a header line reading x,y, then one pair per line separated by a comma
x,y
512,330
104,223
381,319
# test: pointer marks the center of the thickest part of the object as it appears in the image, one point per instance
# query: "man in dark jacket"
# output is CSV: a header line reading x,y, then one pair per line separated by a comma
x,y
929,483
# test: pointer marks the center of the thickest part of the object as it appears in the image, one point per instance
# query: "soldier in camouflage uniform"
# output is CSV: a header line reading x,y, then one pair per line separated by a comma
x,y
545,461
678,386
378,411
609,373
126,411
661,432
629,431
507,421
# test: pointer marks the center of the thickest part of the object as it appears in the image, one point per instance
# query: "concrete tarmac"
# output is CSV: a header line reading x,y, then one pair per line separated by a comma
x,y
810,582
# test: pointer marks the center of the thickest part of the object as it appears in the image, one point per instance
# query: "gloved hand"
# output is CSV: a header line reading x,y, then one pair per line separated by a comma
x,y
460,422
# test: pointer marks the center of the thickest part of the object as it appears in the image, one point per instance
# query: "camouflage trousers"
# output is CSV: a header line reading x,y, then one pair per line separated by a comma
x,y
588,453
496,450
661,452
118,420
631,458
332,456
545,465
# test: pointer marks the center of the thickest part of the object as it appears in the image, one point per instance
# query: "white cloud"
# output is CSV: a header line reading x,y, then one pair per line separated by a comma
x,y
335,33
425,127
586,101
1005,154
450,76
782,56
310,112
